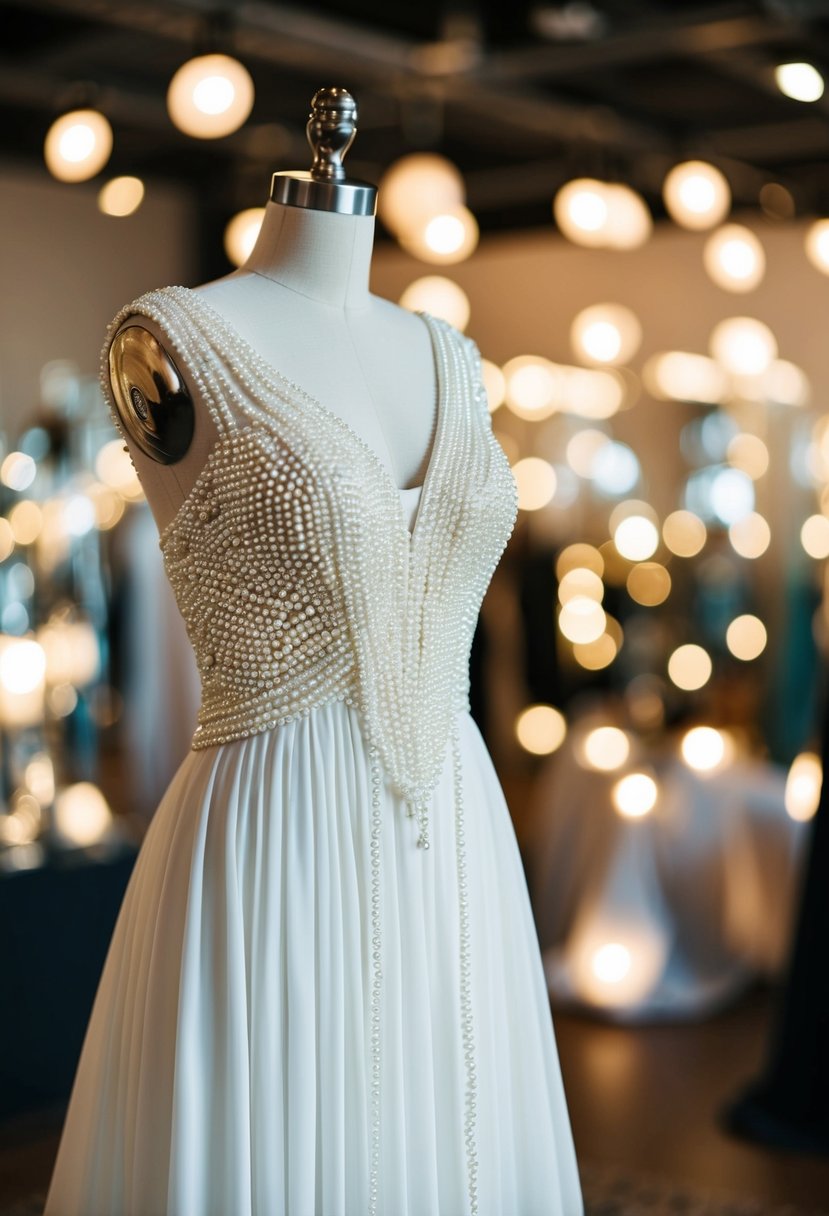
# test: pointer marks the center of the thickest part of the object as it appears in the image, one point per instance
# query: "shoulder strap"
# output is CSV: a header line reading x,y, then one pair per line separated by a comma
x,y
184,344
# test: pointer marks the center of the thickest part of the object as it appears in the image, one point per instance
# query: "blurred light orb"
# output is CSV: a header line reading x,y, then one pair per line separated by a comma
x,y
746,637
606,334
596,656
615,468
611,963
734,258
114,468
732,495
210,96
606,748
803,787
532,387
440,297
678,375
743,345
416,188
690,667
814,536
696,195
541,729
800,81
579,556
78,145
580,581
6,539
242,233
446,238
591,392
495,384
635,795
536,482
629,223
750,536
786,384
749,454
82,814
817,245
121,196
581,211
636,538
79,516
582,619
684,533
18,471
22,666
704,749
582,448
26,521
649,584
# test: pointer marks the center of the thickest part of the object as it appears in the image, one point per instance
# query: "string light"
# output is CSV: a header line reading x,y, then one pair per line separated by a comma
x,y
606,748
606,333
689,667
242,233
746,637
705,749
121,196
635,795
210,96
77,145
696,194
800,81
440,297
541,729
734,258
803,787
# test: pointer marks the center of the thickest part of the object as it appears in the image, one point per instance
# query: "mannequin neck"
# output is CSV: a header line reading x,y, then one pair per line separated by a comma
x,y
323,255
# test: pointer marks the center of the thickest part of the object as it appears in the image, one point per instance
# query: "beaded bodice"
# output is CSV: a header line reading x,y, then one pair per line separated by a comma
x,y
291,561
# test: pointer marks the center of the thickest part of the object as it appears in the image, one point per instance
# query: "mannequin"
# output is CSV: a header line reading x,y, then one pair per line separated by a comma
x,y
302,301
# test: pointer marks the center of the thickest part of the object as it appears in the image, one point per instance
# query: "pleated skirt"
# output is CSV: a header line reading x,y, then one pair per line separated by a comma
x,y
226,1067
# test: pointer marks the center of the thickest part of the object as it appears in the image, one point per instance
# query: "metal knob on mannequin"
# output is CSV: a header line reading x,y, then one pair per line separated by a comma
x,y
331,127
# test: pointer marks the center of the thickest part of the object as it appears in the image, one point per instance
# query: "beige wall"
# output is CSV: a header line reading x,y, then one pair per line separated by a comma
x,y
66,269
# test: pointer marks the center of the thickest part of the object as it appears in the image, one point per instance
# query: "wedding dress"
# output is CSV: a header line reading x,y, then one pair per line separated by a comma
x,y
324,992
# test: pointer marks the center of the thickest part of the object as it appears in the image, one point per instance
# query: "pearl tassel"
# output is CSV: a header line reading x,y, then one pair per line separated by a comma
x,y
467,1028
376,955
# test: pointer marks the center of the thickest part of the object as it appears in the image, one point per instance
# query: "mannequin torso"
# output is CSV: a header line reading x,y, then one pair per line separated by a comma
x,y
302,302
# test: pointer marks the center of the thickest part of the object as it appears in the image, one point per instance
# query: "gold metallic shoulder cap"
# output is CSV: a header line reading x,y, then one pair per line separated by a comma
x,y
153,402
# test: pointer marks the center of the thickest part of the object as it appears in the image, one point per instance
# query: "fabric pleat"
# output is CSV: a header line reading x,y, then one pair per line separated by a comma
x,y
226,1069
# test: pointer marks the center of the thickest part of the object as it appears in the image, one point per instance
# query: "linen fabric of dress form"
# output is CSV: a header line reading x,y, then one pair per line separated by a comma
x,y
318,616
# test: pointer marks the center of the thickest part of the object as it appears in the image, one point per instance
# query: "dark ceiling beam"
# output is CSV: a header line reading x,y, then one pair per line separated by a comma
x,y
684,32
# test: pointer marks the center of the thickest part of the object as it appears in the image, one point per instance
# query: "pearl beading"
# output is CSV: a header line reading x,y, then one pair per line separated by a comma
x,y
300,584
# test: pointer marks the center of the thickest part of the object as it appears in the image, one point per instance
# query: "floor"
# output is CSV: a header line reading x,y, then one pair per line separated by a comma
x,y
644,1101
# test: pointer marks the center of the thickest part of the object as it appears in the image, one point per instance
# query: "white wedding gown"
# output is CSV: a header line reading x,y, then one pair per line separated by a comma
x,y
302,1012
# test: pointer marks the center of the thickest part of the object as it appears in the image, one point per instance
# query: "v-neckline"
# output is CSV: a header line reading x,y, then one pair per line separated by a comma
x,y
337,420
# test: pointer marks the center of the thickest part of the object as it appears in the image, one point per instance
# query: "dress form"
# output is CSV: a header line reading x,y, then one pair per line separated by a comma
x,y
302,302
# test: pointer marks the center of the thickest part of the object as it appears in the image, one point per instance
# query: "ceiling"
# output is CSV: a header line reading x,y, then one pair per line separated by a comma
x,y
520,95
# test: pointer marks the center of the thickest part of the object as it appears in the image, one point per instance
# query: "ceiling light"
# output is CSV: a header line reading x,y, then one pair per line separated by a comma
x,y
417,188
210,96
121,196
743,345
696,194
734,258
606,333
242,233
800,81
439,296
77,145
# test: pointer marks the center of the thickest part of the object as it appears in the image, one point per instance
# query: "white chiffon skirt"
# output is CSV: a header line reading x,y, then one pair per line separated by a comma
x,y
226,1065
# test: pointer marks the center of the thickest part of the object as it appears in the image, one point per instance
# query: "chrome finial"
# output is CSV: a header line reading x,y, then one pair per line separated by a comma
x,y
331,127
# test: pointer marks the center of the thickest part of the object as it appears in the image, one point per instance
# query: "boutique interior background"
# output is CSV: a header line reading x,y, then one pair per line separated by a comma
x,y
623,203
